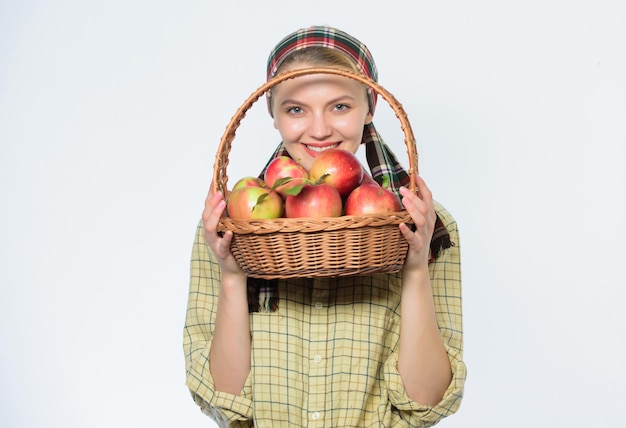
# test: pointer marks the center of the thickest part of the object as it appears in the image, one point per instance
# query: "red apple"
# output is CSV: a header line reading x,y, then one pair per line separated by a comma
x,y
339,168
367,179
284,167
372,199
252,202
314,201
249,181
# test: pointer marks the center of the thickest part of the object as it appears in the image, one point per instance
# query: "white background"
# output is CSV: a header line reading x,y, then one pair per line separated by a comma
x,y
110,115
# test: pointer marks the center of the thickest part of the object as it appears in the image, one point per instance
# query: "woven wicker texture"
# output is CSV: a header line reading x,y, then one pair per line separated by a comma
x,y
307,247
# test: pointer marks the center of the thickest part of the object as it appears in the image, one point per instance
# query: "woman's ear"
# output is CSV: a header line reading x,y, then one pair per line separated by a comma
x,y
369,118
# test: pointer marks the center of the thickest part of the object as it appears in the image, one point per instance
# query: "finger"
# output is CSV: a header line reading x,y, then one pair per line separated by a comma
x,y
414,239
415,206
408,197
426,196
211,201
213,207
213,211
214,216
223,245
408,234
422,189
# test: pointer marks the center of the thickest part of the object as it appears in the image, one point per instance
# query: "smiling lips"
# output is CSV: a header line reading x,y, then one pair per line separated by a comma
x,y
319,149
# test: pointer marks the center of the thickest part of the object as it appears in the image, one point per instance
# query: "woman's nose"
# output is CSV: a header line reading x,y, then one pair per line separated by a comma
x,y
320,127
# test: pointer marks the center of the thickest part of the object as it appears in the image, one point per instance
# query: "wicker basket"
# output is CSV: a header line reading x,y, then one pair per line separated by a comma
x,y
321,247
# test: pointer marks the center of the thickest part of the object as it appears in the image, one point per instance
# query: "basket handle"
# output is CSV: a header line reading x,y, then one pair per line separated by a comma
x,y
220,176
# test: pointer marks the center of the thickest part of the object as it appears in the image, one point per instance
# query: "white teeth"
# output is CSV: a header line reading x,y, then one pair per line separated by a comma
x,y
321,149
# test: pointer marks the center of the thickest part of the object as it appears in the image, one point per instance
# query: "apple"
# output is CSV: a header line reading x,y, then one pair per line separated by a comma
x,y
314,201
367,179
372,199
253,202
249,181
339,168
286,169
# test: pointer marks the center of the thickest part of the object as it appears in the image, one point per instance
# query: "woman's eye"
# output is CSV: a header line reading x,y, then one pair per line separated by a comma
x,y
294,110
341,107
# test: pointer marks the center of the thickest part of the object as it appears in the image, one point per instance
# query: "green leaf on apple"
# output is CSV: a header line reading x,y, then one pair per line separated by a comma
x,y
280,182
291,191
260,199
296,189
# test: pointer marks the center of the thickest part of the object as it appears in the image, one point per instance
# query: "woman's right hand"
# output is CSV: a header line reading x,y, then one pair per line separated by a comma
x,y
214,207
230,347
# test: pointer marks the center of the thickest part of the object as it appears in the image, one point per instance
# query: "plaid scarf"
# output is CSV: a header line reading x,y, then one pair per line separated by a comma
x,y
262,294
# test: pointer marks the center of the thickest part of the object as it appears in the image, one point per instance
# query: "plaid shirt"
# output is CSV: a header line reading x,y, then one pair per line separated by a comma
x,y
328,356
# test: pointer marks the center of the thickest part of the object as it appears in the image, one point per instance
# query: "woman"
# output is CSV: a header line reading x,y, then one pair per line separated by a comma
x,y
375,350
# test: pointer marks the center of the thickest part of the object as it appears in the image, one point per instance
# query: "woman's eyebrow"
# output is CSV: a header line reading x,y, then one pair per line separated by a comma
x,y
331,101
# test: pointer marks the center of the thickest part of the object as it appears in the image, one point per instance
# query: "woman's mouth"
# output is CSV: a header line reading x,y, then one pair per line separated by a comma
x,y
319,149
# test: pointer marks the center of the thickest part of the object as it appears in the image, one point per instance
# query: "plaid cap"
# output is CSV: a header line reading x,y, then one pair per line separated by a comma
x,y
327,37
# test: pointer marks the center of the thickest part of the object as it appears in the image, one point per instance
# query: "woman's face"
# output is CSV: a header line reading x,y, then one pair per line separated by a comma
x,y
319,111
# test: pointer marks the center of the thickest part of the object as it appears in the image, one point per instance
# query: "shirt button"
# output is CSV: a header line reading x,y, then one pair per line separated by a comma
x,y
317,358
318,305
315,415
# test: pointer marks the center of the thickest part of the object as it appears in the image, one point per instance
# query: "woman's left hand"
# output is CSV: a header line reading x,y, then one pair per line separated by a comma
x,y
421,208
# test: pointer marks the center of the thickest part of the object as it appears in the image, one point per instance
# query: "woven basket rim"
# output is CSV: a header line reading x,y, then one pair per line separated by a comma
x,y
311,225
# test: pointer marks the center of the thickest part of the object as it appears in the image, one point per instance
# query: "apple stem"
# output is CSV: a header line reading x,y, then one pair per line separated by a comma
x,y
322,178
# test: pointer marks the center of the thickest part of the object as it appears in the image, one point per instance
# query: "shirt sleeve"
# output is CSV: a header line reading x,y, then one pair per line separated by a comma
x,y
445,275
227,410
